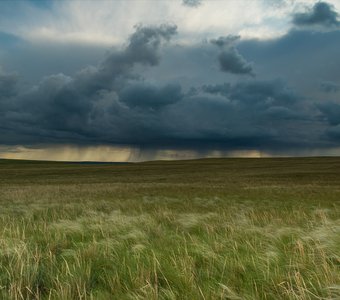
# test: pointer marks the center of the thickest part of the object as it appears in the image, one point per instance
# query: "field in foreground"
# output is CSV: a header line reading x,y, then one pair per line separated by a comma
x,y
204,229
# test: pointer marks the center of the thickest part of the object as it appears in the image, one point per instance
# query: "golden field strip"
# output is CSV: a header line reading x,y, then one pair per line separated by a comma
x,y
203,229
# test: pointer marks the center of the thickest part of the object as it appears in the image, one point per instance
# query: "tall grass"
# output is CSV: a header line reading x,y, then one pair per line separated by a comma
x,y
226,229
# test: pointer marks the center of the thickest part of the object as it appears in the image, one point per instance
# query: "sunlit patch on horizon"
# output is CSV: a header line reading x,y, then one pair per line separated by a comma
x,y
105,153
68,153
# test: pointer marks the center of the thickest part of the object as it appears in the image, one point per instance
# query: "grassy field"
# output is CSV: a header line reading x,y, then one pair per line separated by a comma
x,y
204,229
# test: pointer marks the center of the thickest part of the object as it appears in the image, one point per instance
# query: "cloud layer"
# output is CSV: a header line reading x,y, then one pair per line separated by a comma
x,y
225,94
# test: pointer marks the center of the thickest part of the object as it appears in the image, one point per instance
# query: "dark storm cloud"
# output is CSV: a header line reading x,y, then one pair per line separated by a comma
x,y
61,106
144,44
331,112
225,41
322,14
192,3
222,89
334,133
264,92
113,104
231,61
252,114
53,58
262,98
148,96
306,60
230,116
8,84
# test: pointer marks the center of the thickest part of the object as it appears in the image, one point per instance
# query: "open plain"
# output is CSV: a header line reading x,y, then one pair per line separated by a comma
x,y
202,229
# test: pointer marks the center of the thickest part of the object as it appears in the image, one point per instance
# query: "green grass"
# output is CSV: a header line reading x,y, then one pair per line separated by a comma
x,y
203,229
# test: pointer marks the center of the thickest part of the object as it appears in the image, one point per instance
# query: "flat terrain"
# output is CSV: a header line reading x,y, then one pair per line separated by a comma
x,y
202,229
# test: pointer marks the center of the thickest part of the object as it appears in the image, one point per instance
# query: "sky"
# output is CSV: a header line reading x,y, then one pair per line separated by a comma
x,y
134,80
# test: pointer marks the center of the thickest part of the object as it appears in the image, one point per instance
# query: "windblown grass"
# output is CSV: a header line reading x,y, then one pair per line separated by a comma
x,y
207,229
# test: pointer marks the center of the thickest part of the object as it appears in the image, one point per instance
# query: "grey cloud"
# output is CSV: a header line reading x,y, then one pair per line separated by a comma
x,y
329,87
322,14
225,41
264,92
230,116
222,89
61,104
192,3
231,61
150,96
301,57
261,100
331,111
334,133
8,84
250,93
143,48
238,115
145,42
8,93
283,113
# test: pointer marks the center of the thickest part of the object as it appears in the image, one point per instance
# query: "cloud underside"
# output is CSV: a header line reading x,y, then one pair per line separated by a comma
x,y
322,14
113,104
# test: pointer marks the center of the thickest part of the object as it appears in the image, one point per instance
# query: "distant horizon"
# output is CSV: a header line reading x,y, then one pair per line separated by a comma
x,y
167,160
